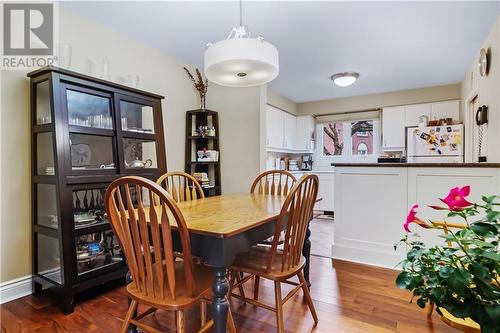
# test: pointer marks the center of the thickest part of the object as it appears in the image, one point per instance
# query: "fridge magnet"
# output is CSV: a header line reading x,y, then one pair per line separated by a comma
x,y
432,132
416,132
457,139
438,129
453,147
425,136
448,129
432,139
442,142
445,137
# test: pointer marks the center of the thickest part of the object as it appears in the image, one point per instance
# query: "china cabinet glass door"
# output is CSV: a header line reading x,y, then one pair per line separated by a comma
x,y
139,146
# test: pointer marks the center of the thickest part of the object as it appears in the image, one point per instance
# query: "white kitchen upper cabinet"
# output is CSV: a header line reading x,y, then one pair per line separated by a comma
x,y
275,128
413,112
448,109
290,123
305,133
393,127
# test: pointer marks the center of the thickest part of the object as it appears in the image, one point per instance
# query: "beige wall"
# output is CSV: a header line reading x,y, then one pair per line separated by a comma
x,y
281,102
357,103
159,73
487,89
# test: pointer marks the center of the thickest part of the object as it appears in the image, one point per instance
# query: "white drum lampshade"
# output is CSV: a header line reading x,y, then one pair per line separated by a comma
x,y
241,62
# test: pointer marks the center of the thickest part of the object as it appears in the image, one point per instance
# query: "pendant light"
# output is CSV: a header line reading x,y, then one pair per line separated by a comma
x,y
241,60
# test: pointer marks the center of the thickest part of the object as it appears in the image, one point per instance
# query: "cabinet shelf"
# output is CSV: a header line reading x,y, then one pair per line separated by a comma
x,y
195,143
197,137
91,130
210,162
96,227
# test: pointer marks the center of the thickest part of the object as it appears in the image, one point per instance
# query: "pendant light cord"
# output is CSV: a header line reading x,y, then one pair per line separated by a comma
x,y
241,13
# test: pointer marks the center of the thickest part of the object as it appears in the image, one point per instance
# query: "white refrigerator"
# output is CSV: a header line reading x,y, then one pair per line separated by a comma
x,y
435,144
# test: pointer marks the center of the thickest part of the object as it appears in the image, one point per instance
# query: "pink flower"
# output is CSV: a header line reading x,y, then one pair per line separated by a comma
x,y
412,218
456,198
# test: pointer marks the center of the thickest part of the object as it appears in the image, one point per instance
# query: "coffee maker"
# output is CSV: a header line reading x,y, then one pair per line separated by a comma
x,y
307,162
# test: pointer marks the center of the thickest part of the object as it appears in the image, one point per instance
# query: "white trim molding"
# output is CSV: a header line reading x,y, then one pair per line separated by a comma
x,y
16,288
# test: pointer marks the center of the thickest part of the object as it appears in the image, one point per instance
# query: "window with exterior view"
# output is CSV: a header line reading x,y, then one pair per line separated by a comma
x,y
333,138
362,137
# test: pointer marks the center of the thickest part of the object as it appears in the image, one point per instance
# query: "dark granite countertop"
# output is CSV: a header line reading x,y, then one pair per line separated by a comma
x,y
420,165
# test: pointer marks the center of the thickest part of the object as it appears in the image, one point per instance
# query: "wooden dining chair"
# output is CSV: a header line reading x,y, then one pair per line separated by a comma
x,y
281,265
272,182
181,186
145,236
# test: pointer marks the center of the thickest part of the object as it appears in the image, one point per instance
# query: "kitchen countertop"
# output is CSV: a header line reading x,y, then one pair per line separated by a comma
x,y
420,165
312,171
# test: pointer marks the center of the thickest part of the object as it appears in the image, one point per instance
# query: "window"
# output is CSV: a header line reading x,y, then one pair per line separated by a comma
x,y
362,149
333,138
362,137
348,139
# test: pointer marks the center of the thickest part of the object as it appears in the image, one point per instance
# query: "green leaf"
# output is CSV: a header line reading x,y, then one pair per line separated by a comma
x,y
457,283
483,228
403,280
493,311
482,244
491,255
493,216
445,271
421,302
478,270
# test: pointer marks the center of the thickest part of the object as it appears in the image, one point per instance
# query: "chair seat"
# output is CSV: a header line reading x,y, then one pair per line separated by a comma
x,y
203,277
255,262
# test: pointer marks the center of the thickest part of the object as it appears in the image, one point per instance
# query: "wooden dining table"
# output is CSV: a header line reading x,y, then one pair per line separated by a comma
x,y
221,227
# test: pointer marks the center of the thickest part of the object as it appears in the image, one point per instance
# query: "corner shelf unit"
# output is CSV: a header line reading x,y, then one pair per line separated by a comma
x,y
86,132
194,143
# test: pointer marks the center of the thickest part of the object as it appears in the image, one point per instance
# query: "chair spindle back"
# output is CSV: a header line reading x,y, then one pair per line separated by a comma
x,y
273,182
181,186
294,219
145,235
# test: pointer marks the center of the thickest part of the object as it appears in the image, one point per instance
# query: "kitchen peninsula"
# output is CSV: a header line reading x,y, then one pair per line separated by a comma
x,y
372,200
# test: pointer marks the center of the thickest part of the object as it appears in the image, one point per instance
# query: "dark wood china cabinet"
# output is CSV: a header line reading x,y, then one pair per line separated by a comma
x,y
86,132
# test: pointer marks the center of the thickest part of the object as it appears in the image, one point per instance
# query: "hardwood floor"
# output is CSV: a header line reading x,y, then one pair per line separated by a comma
x,y
348,297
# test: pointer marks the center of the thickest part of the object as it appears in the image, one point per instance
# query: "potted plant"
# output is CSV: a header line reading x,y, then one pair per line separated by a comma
x,y
461,275
200,85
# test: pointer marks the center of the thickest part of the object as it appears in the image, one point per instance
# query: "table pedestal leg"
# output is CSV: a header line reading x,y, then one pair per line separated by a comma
x,y
220,304
306,252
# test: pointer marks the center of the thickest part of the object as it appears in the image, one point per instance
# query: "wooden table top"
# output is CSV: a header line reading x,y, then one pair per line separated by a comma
x,y
229,214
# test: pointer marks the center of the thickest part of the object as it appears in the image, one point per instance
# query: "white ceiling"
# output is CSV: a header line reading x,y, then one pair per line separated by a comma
x,y
393,45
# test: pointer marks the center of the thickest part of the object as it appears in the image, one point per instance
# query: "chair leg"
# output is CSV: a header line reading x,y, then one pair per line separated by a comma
x,y
279,306
230,322
179,321
203,313
431,308
256,288
307,296
237,275
131,311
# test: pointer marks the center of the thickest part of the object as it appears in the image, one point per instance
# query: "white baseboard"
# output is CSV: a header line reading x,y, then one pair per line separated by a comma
x,y
372,257
15,289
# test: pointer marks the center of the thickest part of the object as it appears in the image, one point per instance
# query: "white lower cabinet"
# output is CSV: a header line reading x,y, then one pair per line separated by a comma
x,y
372,204
325,192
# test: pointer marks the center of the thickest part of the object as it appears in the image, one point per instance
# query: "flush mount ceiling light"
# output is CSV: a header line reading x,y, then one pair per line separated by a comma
x,y
240,60
344,79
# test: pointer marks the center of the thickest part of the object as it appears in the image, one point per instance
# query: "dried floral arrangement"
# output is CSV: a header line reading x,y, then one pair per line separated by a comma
x,y
200,85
